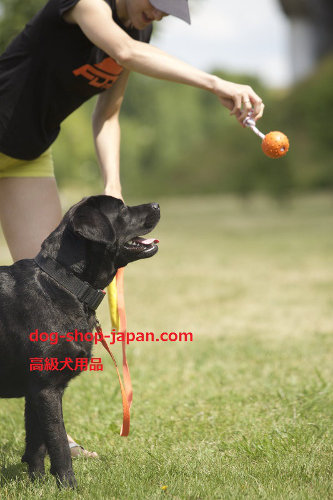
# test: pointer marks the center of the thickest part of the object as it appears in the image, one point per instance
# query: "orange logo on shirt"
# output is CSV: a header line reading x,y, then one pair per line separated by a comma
x,y
101,75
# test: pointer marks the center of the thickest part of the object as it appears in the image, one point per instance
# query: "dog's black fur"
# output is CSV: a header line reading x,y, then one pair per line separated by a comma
x,y
91,242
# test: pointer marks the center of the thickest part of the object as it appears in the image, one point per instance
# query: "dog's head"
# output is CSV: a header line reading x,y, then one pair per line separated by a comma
x,y
100,234
108,221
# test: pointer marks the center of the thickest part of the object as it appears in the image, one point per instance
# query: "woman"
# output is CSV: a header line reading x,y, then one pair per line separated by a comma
x,y
70,51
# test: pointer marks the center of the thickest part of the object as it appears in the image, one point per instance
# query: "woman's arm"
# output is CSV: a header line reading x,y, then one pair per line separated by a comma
x,y
95,19
106,131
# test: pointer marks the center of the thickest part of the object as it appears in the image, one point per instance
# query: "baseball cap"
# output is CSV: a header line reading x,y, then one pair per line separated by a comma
x,y
177,8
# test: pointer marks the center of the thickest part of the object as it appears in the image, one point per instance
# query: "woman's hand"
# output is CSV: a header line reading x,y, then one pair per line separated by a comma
x,y
239,99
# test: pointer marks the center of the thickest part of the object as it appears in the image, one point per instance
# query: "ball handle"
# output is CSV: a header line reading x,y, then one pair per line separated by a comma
x,y
249,122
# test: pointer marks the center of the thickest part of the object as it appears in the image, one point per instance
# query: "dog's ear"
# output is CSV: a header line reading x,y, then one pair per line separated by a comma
x,y
90,222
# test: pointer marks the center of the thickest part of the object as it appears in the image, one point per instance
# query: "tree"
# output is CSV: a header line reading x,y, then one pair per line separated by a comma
x,y
14,14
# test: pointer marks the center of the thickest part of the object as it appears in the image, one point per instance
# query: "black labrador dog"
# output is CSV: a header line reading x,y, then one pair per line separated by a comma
x,y
58,291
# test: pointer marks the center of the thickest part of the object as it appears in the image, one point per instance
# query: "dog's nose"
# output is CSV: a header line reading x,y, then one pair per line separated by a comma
x,y
155,206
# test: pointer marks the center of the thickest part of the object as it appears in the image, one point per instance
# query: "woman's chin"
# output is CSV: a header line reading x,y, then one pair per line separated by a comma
x,y
143,21
138,22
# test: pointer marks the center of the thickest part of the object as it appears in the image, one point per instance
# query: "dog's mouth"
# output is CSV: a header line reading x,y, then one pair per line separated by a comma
x,y
141,248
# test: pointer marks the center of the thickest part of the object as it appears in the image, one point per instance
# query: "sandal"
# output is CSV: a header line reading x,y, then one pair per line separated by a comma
x,y
78,451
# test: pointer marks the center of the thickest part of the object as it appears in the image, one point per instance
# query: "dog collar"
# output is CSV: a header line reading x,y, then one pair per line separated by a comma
x,y
81,289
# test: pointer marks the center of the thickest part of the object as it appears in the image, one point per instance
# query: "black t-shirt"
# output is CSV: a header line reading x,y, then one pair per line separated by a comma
x,y
46,73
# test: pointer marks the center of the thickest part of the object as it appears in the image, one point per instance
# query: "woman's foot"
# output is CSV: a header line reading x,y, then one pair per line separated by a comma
x,y
78,451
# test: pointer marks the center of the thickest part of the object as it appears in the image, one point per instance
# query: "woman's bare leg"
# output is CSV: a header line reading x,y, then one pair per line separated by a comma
x,y
29,210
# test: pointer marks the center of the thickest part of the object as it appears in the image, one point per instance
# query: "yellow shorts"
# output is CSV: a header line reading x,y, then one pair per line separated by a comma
x,y
39,167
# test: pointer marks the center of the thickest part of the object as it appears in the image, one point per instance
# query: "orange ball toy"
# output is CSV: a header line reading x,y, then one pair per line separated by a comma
x,y
275,144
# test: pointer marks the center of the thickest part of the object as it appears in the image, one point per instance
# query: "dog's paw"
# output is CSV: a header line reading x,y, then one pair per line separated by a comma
x,y
66,480
36,474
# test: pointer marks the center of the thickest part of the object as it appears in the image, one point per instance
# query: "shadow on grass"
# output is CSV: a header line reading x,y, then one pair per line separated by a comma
x,y
10,472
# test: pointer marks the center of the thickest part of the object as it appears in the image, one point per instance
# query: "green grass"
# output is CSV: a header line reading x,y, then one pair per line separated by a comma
x,y
245,411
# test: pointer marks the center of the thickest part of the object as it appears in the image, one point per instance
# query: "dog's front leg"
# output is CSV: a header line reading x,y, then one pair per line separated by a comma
x,y
48,404
35,449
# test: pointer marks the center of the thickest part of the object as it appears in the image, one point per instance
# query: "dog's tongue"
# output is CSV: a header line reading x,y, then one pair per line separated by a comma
x,y
147,241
